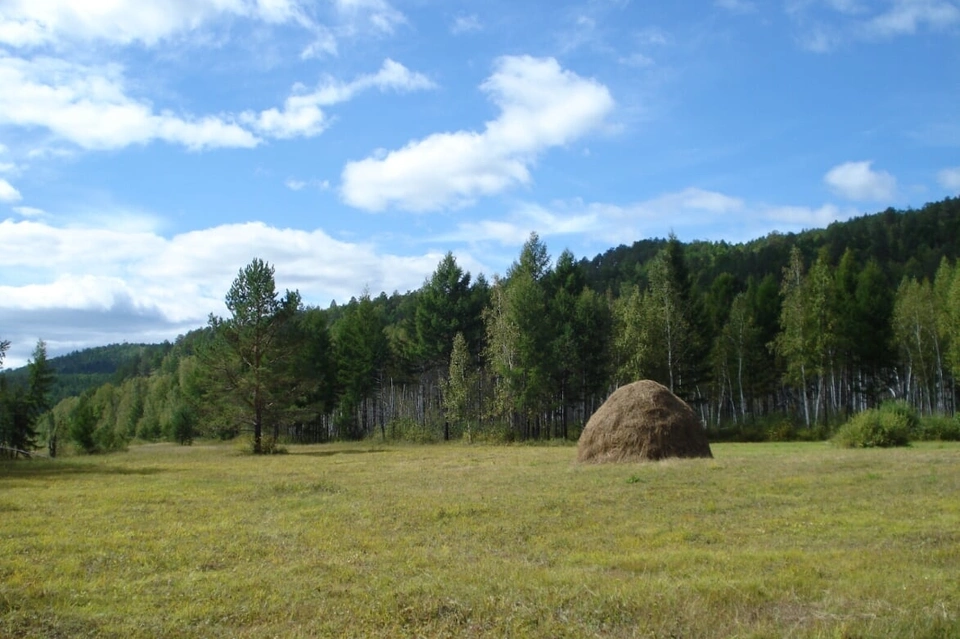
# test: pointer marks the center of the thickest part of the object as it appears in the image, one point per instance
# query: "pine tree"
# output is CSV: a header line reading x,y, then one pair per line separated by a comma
x,y
249,355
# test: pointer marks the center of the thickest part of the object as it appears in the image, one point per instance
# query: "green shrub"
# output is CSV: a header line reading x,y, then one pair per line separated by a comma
x,y
406,429
781,432
905,412
939,428
495,433
890,425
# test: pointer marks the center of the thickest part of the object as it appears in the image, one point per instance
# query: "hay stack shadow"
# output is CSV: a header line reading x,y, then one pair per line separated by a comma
x,y
642,421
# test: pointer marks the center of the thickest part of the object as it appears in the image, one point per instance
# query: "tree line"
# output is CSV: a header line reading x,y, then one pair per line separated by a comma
x,y
22,405
804,329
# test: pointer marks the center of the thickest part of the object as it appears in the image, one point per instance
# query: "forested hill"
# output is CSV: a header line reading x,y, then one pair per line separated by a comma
x,y
907,243
92,367
808,327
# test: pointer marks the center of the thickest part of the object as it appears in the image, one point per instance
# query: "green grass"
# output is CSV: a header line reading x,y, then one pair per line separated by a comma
x,y
765,540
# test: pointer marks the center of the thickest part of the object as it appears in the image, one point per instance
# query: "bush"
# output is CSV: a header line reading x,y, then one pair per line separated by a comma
x,y
905,412
890,425
406,429
939,428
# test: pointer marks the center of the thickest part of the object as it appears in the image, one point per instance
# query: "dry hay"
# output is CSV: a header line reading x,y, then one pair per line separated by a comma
x,y
639,422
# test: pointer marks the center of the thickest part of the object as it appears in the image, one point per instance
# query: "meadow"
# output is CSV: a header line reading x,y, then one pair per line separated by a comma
x,y
370,540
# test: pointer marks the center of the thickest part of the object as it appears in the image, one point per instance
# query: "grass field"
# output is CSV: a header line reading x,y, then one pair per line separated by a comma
x,y
765,540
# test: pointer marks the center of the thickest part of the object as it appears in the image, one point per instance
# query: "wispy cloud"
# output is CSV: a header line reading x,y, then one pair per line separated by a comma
x,y
737,6
466,24
30,211
826,24
907,17
375,15
298,185
692,213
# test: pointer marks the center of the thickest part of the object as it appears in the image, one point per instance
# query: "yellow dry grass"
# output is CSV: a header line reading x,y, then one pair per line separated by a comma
x,y
764,540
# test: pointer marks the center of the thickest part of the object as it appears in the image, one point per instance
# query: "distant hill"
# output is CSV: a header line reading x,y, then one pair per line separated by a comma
x,y
92,367
903,243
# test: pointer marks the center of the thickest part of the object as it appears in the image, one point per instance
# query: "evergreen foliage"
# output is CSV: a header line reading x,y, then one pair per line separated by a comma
x,y
785,336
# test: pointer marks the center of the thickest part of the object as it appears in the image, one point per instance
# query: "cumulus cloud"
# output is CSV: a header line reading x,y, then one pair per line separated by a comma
x,y
541,106
8,193
29,23
144,287
302,114
89,107
859,182
950,178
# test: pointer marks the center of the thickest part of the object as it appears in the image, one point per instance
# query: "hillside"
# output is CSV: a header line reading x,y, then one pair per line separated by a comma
x,y
89,368
544,345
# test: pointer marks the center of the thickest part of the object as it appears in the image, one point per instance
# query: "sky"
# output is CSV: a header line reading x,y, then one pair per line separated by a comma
x,y
149,149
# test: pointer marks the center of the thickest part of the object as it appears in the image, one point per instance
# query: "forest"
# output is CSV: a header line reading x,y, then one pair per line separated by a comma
x,y
788,335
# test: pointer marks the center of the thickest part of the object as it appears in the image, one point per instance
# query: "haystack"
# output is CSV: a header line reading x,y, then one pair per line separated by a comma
x,y
639,422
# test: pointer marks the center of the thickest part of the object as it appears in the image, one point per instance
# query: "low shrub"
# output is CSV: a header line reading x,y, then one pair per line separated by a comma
x,y
890,425
938,428
406,429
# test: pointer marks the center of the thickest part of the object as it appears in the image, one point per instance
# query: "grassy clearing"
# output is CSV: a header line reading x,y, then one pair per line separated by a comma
x,y
765,540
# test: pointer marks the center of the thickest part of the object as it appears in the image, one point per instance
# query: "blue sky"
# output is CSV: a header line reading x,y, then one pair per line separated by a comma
x,y
150,148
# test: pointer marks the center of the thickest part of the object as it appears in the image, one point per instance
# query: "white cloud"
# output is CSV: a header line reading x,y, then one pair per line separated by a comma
x,y
466,24
858,181
301,114
8,193
89,107
32,23
541,106
109,285
950,178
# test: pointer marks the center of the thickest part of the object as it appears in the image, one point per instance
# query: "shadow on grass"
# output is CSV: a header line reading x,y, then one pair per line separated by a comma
x,y
348,451
44,469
